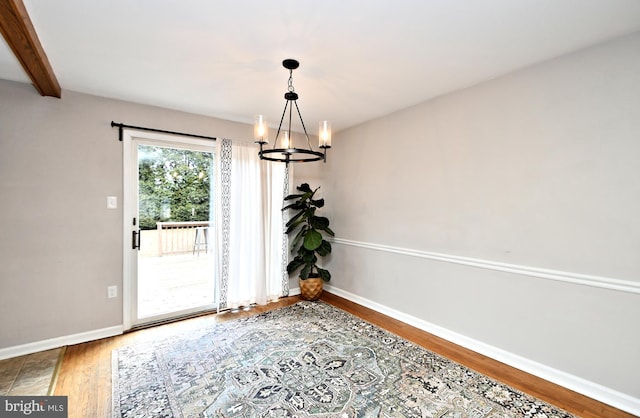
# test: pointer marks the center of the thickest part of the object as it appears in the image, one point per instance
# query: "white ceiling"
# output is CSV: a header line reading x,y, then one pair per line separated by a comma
x,y
358,59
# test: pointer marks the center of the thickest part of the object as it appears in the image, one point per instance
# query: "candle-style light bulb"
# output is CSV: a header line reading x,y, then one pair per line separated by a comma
x,y
260,130
324,134
286,140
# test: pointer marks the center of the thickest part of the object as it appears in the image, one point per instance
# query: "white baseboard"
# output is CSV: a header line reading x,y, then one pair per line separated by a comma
x,y
585,387
43,345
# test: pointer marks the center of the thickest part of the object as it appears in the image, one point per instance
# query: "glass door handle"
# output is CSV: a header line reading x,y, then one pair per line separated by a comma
x,y
135,239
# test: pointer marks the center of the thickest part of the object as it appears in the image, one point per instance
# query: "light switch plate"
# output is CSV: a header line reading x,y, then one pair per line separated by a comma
x,y
112,292
112,202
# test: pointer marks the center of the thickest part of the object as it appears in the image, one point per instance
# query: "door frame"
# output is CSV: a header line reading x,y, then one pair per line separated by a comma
x,y
129,209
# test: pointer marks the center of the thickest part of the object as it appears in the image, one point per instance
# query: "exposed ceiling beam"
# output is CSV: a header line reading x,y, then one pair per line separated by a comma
x,y
18,31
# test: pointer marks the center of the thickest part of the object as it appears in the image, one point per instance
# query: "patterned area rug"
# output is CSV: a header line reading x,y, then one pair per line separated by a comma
x,y
306,360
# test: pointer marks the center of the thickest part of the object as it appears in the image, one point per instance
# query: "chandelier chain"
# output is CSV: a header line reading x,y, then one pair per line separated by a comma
x,y
291,89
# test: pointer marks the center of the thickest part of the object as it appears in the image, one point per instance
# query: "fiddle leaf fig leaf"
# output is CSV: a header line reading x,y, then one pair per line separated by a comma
x,y
295,264
312,240
292,227
304,187
324,248
296,240
293,196
304,273
324,274
319,222
294,205
294,218
308,256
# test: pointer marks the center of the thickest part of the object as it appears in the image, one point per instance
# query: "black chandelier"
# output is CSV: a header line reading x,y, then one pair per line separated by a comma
x,y
287,152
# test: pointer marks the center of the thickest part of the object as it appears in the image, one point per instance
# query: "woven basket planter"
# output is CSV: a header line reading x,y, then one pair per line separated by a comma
x,y
311,288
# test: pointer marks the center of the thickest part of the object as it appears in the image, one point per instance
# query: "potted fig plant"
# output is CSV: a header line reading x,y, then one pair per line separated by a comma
x,y
307,232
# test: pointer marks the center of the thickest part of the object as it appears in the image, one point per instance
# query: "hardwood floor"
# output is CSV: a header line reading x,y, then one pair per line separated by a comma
x,y
85,374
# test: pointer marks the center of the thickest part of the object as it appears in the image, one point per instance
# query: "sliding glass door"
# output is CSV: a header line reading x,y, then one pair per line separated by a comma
x,y
170,215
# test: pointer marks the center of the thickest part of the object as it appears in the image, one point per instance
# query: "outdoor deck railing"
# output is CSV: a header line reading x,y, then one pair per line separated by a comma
x,y
182,237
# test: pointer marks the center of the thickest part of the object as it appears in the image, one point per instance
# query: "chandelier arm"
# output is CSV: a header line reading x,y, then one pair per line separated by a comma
x,y
303,127
284,112
290,144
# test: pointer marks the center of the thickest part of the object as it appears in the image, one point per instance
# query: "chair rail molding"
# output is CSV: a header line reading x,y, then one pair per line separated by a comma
x,y
562,276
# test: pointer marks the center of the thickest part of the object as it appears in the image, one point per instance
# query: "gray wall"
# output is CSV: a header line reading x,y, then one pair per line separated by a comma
x,y
60,246
535,169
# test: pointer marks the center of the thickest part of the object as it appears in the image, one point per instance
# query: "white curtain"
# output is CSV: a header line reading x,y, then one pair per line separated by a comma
x,y
252,246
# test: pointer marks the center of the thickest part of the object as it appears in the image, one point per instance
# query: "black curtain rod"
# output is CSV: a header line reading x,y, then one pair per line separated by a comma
x,y
121,126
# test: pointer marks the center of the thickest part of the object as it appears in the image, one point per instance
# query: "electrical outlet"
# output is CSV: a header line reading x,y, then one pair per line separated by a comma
x,y
112,292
